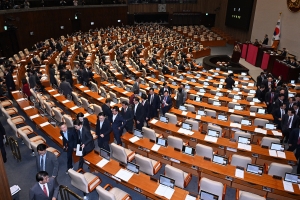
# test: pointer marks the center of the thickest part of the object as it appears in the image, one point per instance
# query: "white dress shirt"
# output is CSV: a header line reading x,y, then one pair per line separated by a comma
x,y
135,107
291,117
114,117
44,161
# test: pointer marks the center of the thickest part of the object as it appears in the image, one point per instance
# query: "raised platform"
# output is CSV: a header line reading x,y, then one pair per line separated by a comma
x,y
209,62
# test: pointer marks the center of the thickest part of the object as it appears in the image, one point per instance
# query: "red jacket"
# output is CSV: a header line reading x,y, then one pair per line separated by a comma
x,y
26,90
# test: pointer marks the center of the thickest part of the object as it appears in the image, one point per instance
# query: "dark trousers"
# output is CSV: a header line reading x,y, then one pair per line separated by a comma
x,y
286,133
103,143
153,112
165,109
129,128
81,160
117,135
140,125
3,152
69,158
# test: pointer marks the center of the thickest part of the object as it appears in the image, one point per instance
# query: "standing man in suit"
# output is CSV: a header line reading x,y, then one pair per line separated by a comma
x,y
46,161
290,103
278,114
296,108
106,110
136,85
69,76
288,123
118,124
2,141
146,107
154,102
270,98
269,84
128,116
103,129
85,121
229,82
166,103
45,189
260,93
9,81
65,87
85,140
294,144
69,139
260,79
165,88
85,76
279,101
52,75
184,93
283,52
139,115
266,40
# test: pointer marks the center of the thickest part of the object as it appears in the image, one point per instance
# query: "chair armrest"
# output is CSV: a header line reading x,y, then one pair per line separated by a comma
x,y
187,179
266,168
80,170
258,142
126,197
157,167
107,186
237,196
129,155
224,191
229,158
92,182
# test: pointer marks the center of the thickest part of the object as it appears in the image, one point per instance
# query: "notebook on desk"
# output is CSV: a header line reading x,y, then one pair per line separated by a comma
x,y
219,159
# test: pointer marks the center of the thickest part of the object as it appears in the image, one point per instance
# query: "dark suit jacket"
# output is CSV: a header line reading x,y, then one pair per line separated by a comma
x,y
161,91
268,97
260,95
87,140
85,76
32,81
105,129
36,192
128,116
86,124
119,122
169,102
135,87
146,108
66,88
259,80
155,102
229,83
107,112
51,164
266,40
285,119
2,133
52,74
266,83
139,113
277,115
72,138
293,139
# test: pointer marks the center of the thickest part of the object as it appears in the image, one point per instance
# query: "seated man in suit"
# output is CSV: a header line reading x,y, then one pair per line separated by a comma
x,y
283,52
288,123
128,116
166,103
136,85
46,161
118,124
103,129
65,87
45,189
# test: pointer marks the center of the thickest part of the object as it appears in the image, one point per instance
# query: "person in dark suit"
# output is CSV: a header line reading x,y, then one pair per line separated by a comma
x,y
52,75
65,87
278,102
9,81
278,114
296,108
128,116
85,76
80,75
46,161
103,129
139,115
106,110
260,93
294,141
279,81
69,139
146,107
154,102
85,140
166,103
85,121
266,40
2,147
136,85
45,189
61,65
69,77
288,123
269,84
260,79
118,124
165,88
229,82
270,98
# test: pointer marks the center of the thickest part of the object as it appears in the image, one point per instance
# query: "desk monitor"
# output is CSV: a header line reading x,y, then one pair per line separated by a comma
x,y
174,83
294,178
164,119
252,91
219,94
246,122
222,117
188,150
256,100
255,169
193,80
238,107
105,154
206,83
208,196
250,84
115,100
229,72
138,133
222,80
270,126
243,73
261,111
237,97
183,108
181,77
217,69
198,98
246,79
277,146
216,103
128,89
243,140
236,89
186,126
201,112
220,86
216,74
198,75
161,142
154,86
187,87
209,78
202,91
219,159
164,180
292,81
133,167
213,133
162,80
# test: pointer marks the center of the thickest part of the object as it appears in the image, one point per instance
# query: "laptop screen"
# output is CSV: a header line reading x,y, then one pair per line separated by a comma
x,y
198,99
238,107
277,146
188,150
219,160
164,119
105,154
213,133
202,91
255,169
237,97
201,112
174,83
183,108
292,81
219,94
270,126
222,117
164,180
133,167
186,126
252,91
137,133
294,178
216,103
161,142
246,122
261,111
244,140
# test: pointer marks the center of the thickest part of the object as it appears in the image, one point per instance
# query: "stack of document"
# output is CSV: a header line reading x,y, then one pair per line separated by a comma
x,y
86,90
134,139
124,174
164,191
102,163
14,189
112,86
56,95
99,99
153,121
185,131
81,86
288,186
44,124
66,101
189,197
21,99
124,92
51,90
86,114
34,116
13,92
239,173
210,139
231,110
244,146
27,108
259,130
252,114
112,103
275,153
184,113
155,147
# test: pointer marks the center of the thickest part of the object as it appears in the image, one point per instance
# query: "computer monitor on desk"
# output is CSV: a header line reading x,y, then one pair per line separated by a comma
x,y
133,167
105,154
219,159
244,140
183,108
188,150
222,117
261,111
186,126
198,99
270,126
255,169
161,142
213,133
164,180
277,146
246,122
293,178
164,119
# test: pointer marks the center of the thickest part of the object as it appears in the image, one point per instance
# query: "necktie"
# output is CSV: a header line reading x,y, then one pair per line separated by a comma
x,y
151,99
289,122
272,95
45,190
42,163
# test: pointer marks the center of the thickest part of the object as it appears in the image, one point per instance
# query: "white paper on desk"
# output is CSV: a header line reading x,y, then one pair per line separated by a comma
x,y
276,133
125,92
189,197
210,139
102,163
184,113
153,121
235,125
198,116
27,108
78,150
239,173
185,131
123,174
74,107
216,97
259,130
240,93
244,146
51,90
234,100
56,95
66,101
155,147
86,90
112,103
34,116
86,114
252,103
200,93
81,86
60,137
272,153
134,139
147,88
252,114
157,81
148,77
99,99
205,86
21,99
281,154
288,186
164,191
14,189
13,92
44,124
231,110
113,86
